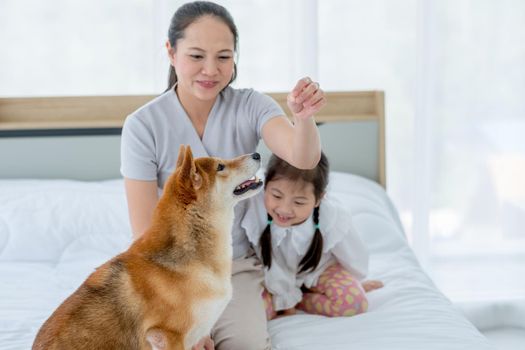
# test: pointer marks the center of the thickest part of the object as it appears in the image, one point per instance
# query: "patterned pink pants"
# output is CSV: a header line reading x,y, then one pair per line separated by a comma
x,y
337,293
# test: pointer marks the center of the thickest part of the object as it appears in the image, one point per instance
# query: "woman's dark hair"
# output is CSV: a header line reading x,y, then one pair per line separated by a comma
x,y
189,13
318,177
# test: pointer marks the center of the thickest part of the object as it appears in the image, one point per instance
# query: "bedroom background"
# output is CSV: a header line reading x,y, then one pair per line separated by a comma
x,y
454,80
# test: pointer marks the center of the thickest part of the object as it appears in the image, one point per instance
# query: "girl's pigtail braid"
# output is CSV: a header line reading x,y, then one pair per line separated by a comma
x,y
313,256
266,244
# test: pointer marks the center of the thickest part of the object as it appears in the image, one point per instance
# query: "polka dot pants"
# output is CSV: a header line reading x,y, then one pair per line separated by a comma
x,y
337,293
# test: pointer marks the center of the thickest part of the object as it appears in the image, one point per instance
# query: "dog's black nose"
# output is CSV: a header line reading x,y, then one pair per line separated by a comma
x,y
256,156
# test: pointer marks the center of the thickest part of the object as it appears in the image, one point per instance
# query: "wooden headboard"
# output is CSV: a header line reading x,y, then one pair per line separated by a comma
x,y
79,137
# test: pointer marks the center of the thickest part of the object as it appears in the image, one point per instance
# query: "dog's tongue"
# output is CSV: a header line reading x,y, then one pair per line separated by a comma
x,y
247,183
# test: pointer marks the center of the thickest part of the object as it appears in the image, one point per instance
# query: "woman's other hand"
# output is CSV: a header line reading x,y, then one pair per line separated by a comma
x,y
306,98
205,343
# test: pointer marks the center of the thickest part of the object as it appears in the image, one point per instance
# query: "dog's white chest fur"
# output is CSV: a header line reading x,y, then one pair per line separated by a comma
x,y
206,312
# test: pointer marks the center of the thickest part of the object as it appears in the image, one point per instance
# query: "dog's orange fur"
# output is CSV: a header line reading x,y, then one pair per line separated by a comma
x,y
168,289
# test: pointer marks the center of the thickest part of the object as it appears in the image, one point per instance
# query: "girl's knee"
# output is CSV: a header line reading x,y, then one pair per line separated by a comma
x,y
353,301
338,300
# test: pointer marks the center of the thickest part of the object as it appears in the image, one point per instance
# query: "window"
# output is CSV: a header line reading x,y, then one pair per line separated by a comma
x,y
452,71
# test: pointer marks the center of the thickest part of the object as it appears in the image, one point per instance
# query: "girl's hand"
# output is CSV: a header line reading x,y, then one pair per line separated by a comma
x,y
306,99
204,344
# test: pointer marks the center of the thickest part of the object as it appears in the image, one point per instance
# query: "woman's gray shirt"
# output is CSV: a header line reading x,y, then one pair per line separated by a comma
x,y
151,137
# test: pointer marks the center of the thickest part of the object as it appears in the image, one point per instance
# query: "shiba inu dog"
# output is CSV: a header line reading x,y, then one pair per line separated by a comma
x,y
170,287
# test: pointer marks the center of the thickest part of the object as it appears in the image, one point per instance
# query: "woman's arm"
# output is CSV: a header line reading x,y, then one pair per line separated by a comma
x,y
298,144
142,198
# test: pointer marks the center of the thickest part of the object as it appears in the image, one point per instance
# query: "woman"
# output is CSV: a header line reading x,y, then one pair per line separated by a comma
x,y
199,108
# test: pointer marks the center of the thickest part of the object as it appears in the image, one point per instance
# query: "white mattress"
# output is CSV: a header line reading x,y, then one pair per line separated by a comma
x,y
53,233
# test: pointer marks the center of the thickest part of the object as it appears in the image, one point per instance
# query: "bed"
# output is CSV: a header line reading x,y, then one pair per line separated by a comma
x,y
63,212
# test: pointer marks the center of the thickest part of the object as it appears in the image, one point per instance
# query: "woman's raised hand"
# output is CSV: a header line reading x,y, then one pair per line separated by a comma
x,y
306,98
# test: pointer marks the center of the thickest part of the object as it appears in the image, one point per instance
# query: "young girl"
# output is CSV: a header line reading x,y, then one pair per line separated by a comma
x,y
314,257
199,108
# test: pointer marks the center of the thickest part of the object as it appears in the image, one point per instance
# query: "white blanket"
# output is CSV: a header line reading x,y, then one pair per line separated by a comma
x,y
53,233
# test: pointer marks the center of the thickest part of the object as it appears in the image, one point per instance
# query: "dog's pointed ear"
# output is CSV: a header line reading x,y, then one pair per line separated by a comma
x,y
196,180
188,169
182,154
185,161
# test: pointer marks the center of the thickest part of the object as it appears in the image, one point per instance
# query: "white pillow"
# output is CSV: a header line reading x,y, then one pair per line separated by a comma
x,y
42,219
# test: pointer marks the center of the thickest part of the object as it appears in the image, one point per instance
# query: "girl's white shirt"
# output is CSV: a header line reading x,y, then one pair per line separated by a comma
x,y
341,243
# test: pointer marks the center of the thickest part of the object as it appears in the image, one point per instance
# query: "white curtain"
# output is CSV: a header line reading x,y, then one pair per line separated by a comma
x,y
453,72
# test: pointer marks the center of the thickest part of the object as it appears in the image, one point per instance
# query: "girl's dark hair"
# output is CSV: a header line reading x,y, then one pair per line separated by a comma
x,y
318,177
189,13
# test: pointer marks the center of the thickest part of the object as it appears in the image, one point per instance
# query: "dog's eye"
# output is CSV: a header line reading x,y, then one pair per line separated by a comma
x,y
220,167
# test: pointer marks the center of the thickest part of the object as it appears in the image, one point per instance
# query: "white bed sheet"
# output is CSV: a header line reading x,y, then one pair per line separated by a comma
x,y
53,233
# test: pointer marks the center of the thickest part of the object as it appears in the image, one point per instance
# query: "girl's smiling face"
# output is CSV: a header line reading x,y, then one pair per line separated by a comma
x,y
203,58
289,202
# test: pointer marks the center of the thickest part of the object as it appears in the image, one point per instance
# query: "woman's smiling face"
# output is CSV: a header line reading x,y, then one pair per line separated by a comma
x,y
289,202
204,58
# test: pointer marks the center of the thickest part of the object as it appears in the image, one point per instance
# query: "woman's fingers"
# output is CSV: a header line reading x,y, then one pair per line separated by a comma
x,y
205,343
300,86
306,98
314,98
308,90
310,110
209,344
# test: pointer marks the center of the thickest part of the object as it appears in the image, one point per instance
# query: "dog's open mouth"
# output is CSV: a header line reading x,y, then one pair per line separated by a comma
x,y
251,184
